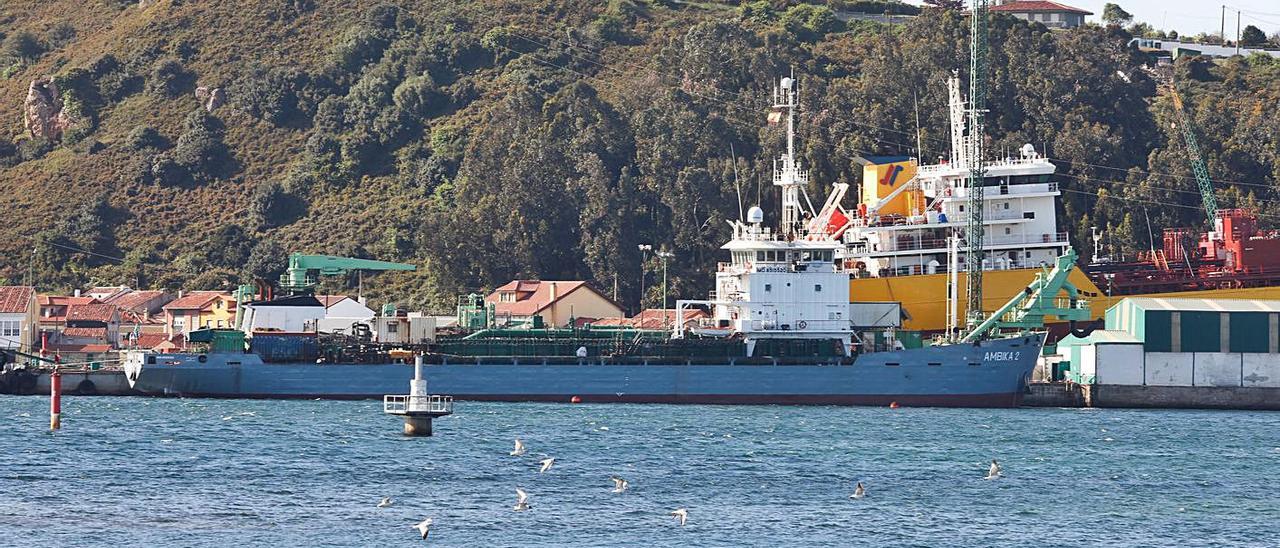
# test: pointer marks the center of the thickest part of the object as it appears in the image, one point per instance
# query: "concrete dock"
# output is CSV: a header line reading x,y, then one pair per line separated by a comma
x,y
1059,394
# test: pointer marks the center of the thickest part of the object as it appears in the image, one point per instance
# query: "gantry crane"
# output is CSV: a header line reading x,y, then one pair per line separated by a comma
x,y
977,174
1193,152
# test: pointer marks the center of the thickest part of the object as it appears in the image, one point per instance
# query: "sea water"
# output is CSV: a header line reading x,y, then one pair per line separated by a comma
x,y
186,472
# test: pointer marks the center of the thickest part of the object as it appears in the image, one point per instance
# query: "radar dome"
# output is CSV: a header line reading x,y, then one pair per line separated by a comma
x,y
1028,150
786,82
755,215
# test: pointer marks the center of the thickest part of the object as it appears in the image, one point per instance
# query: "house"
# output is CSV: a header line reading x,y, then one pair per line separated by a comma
x,y
199,309
340,311
552,303
155,342
1049,14
18,317
655,318
53,310
106,293
143,307
94,323
296,314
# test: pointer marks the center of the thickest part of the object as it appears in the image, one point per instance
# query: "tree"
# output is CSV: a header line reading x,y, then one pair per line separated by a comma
x,y
1252,36
1113,14
169,78
21,46
267,261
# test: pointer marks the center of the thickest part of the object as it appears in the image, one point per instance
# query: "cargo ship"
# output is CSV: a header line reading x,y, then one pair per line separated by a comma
x,y
896,239
781,329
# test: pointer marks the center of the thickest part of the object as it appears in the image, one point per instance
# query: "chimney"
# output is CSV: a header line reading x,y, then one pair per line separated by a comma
x,y
180,292
553,293
77,293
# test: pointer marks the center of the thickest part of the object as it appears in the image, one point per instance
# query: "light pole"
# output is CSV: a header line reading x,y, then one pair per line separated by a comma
x,y
643,249
664,255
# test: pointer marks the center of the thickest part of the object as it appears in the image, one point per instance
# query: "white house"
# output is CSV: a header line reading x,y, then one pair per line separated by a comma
x,y
340,311
1049,14
300,314
19,313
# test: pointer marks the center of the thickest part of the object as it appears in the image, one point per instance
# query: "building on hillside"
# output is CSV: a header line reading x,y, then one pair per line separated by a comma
x,y
655,318
296,314
88,324
53,310
18,317
1049,14
139,306
551,303
197,310
341,311
106,293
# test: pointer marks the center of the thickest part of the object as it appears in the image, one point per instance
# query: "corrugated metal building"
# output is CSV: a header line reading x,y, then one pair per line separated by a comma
x,y
1199,325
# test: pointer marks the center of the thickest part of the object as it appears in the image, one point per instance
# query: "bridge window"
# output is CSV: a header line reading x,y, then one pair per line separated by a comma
x,y
817,288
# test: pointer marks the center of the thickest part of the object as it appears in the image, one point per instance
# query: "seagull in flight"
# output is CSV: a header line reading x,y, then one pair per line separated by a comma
x,y
424,527
681,514
619,484
546,464
522,500
858,491
994,471
519,450
385,502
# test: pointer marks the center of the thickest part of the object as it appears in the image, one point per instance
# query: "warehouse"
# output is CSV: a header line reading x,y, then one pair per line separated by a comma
x,y
1181,353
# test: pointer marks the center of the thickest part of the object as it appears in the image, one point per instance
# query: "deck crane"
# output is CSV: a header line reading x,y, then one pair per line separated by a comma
x,y
1193,151
977,173
303,275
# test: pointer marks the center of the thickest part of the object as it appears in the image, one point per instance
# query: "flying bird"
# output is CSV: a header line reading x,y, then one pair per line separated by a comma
x,y
681,514
522,500
424,527
385,502
519,450
619,484
858,491
994,471
546,464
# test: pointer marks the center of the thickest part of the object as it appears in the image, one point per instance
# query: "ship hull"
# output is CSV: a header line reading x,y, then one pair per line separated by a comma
x,y
992,374
924,296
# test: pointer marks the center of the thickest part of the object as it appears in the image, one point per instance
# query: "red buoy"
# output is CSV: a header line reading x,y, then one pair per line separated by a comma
x,y
575,399
893,405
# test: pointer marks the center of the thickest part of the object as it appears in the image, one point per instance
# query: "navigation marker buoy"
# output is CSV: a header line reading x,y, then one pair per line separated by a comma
x,y
893,405
575,399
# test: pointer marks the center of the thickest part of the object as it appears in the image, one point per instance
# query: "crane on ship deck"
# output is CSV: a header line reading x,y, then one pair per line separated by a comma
x,y
1193,152
303,275
977,174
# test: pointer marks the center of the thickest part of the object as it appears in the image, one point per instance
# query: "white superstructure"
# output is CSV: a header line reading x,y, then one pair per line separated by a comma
x,y
905,232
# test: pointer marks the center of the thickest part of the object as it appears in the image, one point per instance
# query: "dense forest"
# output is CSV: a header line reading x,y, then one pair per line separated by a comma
x,y
196,144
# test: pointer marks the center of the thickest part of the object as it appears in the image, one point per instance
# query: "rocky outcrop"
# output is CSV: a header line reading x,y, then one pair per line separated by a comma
x,y
211,98
44,115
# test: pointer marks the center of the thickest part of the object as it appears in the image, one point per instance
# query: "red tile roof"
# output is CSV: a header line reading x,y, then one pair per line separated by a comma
x,y
1021,6
97,312
63,300
653,318
86,348
95,332
196,300
15,299
134,300
330,300
152,340
532,296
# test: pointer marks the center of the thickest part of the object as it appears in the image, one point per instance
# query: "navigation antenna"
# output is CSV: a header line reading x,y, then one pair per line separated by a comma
x,y
977,104
789,176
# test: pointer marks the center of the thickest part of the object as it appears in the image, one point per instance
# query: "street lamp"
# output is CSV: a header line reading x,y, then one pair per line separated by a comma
x,y
664,255
643,249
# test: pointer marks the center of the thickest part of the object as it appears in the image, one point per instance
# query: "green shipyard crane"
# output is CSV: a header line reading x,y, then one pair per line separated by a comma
x,y
977,173
1193,151
304,271
1027,310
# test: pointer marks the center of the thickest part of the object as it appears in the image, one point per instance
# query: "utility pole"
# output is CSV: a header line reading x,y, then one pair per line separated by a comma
x,y
1237,32
1222,32
644,248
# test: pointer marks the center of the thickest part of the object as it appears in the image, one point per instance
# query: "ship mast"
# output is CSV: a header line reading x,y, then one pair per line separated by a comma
x,y
789,176
977,106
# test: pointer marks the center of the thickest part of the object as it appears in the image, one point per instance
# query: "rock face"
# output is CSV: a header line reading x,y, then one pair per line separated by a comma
x,y
45,118
211,98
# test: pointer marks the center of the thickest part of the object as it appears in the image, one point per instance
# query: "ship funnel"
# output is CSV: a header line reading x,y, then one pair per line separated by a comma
x,y
755,215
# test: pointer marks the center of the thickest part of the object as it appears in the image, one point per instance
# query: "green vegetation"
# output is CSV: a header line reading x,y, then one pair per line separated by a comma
x,y
492,140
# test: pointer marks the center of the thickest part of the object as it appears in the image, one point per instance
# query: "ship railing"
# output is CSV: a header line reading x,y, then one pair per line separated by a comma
x,y
417,404
800,326
940,244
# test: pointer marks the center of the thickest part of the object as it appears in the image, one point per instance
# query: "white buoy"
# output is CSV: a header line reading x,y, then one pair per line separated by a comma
x,y
418,408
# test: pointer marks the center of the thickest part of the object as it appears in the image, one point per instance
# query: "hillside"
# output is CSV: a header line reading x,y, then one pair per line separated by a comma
x,y
489,140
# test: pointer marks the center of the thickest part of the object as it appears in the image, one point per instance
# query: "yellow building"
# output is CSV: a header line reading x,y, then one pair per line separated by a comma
x,y
557,303
199,310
